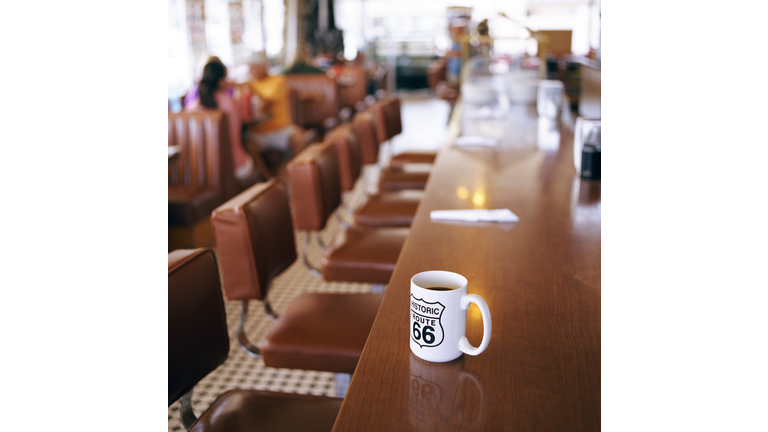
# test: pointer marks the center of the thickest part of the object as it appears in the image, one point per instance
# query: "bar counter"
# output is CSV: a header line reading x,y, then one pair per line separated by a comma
x,y
540,277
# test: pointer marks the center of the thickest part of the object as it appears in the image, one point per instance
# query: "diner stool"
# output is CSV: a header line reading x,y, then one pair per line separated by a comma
x,y
198,342
317,331
358,254
409,172
393,121
388,113
380,209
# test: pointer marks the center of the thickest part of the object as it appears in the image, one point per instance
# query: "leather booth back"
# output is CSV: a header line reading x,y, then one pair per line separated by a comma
x,y
315,186
198,341
354,85
365,129
255,240
205,159
348,152
318,97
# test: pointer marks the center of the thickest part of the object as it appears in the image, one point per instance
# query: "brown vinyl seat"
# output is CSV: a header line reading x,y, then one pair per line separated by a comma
x,y
358,254
198,342
382,209
317,331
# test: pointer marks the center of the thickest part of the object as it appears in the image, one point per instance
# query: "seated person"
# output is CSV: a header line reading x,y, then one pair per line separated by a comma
x,y
213,94
276,138
192,93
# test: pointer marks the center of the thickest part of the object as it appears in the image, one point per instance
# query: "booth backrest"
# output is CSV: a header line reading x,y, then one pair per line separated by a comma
x,y
202,176
205,158
353,85
318,98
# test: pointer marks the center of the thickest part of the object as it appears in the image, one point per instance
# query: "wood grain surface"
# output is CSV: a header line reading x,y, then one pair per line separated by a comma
x,y
540,277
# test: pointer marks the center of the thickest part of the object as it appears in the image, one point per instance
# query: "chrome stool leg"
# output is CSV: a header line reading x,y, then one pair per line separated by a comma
x,y
186,413
342,383
304,253
242,338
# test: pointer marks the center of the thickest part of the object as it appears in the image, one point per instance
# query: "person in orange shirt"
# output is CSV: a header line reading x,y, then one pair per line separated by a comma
x,y
277,138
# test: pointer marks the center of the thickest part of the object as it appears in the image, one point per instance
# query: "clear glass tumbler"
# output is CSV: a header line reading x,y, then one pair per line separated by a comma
x,y
549,100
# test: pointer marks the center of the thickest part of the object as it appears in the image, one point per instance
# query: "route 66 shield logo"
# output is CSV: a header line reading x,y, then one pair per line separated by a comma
x,y
426,325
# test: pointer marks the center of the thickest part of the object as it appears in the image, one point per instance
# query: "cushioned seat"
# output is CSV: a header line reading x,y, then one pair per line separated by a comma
x,y
321,331
358,254
198,342
409,157
362,254
317,331
390,209
256,410
395,209
412,176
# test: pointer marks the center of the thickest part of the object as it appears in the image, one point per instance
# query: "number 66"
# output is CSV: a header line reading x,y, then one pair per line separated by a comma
x,y
429,337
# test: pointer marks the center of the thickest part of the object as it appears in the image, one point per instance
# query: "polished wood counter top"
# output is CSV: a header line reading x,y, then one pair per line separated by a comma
x,y
540,277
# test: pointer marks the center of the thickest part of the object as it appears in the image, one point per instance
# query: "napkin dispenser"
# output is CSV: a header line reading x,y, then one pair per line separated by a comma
x,y
590,162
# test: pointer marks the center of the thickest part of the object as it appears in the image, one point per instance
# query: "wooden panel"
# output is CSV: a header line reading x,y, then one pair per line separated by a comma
x,y
540,277
559,41
589,103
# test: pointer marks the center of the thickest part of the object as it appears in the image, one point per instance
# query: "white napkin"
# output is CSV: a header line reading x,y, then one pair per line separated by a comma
x,y
484,112
478,215
470,140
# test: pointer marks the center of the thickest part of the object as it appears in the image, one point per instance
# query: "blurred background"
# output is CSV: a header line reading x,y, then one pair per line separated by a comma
x,y
400,39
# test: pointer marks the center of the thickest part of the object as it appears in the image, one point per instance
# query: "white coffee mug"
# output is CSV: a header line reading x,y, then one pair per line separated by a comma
x,y
439,303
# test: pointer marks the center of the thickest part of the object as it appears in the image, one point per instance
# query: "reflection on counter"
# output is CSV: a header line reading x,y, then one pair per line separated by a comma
x,y
548,137
444,397
585,202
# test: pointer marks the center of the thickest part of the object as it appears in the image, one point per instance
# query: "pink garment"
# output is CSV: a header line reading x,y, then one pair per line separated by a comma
x,y
225,103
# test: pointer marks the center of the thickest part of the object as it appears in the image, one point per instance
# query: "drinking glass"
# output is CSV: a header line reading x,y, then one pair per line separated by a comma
x,y
549,100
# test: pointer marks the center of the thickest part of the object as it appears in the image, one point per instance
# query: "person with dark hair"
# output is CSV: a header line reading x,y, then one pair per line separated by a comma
x,y
191,95
212,94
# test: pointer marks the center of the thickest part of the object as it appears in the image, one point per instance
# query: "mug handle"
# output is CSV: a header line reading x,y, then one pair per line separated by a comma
x,y
464,345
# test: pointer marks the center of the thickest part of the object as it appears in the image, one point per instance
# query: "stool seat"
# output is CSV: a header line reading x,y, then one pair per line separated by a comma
x,y
412,176
392,209
321,331
410,157
363,254
256,410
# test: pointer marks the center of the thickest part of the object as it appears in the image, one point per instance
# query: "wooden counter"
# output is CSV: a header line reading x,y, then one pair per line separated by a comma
x,y
540,277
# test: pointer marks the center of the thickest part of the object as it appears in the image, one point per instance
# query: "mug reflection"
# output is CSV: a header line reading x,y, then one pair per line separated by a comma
x,y
444,397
